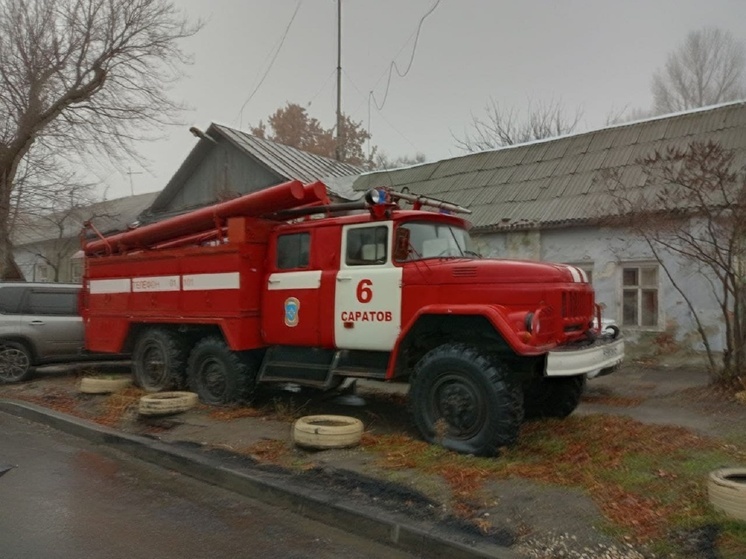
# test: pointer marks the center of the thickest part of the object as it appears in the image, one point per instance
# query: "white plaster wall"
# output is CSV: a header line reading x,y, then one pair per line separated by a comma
x,y
605,249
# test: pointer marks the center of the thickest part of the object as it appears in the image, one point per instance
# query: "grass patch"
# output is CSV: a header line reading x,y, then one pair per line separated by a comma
x,y
649,481
120,405
615,401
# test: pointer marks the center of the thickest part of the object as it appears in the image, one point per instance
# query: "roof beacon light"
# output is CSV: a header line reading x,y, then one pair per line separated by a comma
x,y
375,196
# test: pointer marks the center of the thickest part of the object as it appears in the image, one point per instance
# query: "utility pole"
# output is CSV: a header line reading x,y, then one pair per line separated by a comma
x,y
130,172
338,150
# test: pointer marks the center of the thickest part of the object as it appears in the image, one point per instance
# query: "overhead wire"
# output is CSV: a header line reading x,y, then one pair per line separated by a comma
x,y
393,66
272,62
362,95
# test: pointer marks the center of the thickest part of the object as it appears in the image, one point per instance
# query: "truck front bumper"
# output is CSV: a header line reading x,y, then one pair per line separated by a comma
x,y
599,358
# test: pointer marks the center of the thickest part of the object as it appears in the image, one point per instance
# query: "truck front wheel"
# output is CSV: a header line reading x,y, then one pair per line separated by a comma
x,y
218,375
158,360
463,399
552,397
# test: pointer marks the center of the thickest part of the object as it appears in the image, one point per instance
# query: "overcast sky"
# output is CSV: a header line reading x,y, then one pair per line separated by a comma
x,y
596,55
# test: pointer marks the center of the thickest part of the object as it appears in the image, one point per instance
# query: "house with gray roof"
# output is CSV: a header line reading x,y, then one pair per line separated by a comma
x,y
548,200
46,247
226,163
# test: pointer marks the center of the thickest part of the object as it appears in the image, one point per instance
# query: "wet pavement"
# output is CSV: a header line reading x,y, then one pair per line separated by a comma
x,y
70,499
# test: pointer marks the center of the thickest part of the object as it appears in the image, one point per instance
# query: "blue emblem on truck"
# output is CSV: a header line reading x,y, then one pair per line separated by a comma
x,y
292,306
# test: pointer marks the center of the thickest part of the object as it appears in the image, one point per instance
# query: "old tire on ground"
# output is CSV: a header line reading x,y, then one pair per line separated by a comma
x,y
158,360
327,431
218,375
93,385
166,403
552,397
463,399
727,491
15,362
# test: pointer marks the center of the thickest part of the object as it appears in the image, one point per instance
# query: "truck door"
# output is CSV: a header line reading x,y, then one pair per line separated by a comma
x,y
290,306
367,298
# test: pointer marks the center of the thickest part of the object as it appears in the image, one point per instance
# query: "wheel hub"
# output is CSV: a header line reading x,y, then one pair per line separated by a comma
x,y
213,377
13,363
459,404
155,365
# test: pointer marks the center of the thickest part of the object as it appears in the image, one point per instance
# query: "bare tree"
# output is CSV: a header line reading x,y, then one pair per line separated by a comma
x,y
52,236
693,208
501,127
708,68
80,78
383,161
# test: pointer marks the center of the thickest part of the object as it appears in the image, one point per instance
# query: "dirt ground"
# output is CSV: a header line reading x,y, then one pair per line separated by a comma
x,y
536,520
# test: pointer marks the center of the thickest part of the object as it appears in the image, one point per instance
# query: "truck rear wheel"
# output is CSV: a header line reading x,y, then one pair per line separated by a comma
x,y
218,375
553,397
158,360
462,399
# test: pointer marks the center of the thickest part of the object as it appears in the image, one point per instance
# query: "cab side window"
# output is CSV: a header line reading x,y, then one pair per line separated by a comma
x,y
293,251
367,246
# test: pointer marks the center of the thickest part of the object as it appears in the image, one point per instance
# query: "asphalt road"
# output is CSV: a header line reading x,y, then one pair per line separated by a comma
x,y
69,499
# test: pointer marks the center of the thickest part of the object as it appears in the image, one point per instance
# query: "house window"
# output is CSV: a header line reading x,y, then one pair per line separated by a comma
x,y
76,271
41,273
293,251
640,295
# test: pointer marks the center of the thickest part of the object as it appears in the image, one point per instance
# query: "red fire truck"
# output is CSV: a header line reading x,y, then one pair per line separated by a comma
x,y
281,286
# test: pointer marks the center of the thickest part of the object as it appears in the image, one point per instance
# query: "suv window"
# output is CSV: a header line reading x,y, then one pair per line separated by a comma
x,y
10,299
52,303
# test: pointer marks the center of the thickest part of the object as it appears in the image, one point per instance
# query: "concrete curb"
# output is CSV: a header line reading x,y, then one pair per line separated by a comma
x,y
311,503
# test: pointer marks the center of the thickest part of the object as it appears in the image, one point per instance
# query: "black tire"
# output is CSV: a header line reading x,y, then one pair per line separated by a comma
x,y
463,399
159,360
218,375
552,397
15,362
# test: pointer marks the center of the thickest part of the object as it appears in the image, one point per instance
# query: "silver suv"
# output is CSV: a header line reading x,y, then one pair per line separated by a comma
x,y
39,324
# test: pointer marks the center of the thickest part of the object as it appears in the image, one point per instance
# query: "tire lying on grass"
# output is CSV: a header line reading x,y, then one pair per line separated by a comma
x,y
167,403
91,385
727,490
327,431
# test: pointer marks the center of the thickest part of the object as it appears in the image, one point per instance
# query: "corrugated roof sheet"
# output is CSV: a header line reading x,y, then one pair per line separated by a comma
x,y
564,180
287,161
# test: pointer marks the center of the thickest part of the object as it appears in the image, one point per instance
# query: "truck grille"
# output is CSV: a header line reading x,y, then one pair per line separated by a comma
x,y
576,304
577,311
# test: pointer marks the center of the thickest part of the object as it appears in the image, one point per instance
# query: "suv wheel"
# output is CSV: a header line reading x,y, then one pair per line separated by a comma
x,y
15,362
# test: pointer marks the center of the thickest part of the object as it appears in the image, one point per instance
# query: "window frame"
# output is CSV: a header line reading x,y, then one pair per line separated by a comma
x,y
38,268
76,270
638,289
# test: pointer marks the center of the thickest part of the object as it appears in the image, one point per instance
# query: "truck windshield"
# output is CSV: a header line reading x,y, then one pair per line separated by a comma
x,y
419,239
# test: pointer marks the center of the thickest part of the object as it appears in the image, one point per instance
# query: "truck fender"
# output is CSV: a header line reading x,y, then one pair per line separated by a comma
x,y
494,314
